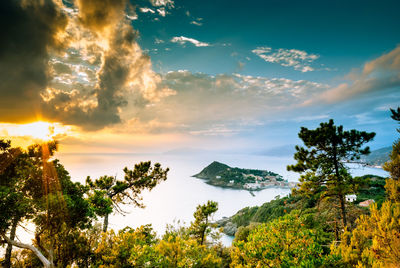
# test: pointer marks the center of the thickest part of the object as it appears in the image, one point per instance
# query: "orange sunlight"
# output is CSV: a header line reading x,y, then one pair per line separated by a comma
x,y
39,131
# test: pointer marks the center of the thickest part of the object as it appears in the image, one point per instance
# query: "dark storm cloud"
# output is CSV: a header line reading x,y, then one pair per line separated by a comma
x,y
99,14
108,93
28,31
95,92
105,19
75,65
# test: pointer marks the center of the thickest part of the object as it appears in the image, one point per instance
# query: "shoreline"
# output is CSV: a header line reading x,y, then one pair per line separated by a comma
x,y
243,188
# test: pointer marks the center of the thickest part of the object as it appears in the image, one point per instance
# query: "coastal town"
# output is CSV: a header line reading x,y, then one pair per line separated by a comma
x,y
268,181
222,175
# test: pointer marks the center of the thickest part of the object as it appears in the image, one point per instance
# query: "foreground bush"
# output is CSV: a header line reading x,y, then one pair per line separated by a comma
x,y
284,242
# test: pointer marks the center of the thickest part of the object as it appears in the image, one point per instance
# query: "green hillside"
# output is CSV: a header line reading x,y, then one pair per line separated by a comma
x,y
212,170
222,175
373,188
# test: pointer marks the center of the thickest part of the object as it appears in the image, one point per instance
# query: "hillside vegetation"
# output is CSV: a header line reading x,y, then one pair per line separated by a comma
x,y
372,189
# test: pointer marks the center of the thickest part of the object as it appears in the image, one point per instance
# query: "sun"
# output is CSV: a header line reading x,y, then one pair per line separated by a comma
x,y
39,130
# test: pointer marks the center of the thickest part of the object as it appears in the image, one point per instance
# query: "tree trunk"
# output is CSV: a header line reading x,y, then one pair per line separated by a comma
x,y
339,181
343,210
202,233
105,224
51,257
42,258
336,231
7,259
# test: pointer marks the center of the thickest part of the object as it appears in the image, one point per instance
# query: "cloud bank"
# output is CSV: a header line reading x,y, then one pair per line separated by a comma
x,y
381,74
30,29
75,65
182,40
163,3
202,102
298,59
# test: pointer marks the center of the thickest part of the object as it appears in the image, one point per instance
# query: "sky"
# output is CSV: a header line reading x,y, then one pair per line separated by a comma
x,y
119,76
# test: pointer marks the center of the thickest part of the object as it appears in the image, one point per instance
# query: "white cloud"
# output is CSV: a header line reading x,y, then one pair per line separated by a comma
x,y
202,104
377,75
182,40
311,118
298,59
161,3
367,119
158,41
132,17
161,7
386,107
161,11
217,130
261,50
196,23
146,10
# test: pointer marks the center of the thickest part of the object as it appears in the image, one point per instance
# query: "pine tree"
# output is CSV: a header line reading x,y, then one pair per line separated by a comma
x,y
108,193
201,225
375,242
322,162
393,166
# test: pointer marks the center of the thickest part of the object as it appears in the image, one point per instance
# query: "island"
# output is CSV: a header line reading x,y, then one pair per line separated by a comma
x,y
222,175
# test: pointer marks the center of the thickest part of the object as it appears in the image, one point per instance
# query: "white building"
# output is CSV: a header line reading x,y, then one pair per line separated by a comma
x,y
351,197
252,186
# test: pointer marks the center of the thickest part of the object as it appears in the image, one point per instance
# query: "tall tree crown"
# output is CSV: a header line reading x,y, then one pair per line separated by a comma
x,y
327,145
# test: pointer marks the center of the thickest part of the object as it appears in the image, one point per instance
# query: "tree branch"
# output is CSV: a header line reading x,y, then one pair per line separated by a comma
x,y
43,259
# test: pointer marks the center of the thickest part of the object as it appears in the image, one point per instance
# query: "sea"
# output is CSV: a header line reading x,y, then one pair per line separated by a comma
x,y
174,201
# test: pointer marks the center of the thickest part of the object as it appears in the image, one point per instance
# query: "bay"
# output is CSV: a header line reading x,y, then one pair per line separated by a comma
x,y
175,200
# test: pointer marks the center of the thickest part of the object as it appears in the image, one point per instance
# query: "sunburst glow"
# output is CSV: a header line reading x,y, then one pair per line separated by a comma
x,y
39,130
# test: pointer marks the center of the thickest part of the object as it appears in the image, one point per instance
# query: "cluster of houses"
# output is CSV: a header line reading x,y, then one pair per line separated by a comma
x,y
271,181
352,197
267,181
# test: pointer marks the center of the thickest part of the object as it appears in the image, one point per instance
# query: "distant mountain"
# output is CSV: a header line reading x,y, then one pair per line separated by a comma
x,y
378,157
222,175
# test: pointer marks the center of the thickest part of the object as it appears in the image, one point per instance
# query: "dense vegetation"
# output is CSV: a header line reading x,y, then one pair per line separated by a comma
x,y
373,188
312,227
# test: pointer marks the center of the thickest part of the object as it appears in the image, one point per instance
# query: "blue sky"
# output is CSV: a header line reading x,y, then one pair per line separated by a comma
x,y
344,35
156,75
